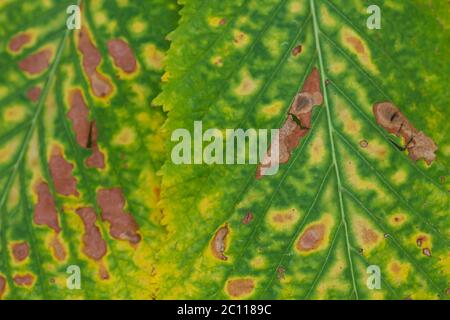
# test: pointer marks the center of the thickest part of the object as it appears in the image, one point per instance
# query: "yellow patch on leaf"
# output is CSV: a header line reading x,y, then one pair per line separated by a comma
x,y
353,42
283,220
153,58
247,86
125,137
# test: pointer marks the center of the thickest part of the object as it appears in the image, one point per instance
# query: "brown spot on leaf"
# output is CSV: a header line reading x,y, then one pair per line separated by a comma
x,y
20,251
223,21
356,44
103,272
86,132
34,93
122,224
37,62
312,238
419,145
93,244
422,147
420,240
218,244
240,38
24,280
157,193
281,272
395,267
240,287
298,122
363,144
100,85
79,115
427,252
61,171
297,50
96,159
248,218
284,217
122,55
58,249
17,42
2,286
45,209
218,61
369,236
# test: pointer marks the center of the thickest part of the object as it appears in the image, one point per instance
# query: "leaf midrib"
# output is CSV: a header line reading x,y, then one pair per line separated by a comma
x,y
332,143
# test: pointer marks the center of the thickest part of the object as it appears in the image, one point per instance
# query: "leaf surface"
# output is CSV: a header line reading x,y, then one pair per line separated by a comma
x,y
348,198
79,147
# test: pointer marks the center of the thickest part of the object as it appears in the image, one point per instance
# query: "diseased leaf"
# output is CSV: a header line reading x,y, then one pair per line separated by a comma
x,y
79,147
349,196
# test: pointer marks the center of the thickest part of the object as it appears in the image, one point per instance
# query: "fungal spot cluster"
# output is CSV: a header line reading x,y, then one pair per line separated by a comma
x,y
298,122
418,145
63,182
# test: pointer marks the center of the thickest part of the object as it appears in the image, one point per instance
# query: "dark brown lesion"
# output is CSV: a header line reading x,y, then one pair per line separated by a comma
x,y
248,218
89,143
218,244
418,145
86,131
297,50
298,121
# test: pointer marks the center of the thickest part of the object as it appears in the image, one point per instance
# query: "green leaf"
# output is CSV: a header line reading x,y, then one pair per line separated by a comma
x,y
348,198
79,147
